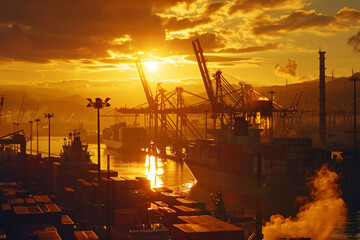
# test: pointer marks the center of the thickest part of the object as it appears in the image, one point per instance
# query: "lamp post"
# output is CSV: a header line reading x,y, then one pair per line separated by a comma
x,y
31,125
98,104
49,116
37,135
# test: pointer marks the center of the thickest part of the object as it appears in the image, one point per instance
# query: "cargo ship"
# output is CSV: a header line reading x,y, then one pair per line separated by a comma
x,y
229,161
122,137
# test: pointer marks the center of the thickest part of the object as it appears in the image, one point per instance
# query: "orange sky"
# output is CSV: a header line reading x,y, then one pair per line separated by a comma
x,y
79,45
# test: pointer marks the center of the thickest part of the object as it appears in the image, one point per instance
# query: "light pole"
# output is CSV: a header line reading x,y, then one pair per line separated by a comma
x,y
108,213
37,135
49,116
98,104
31,125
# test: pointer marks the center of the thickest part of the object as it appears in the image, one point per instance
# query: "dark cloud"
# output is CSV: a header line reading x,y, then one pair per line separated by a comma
x,y
292,22
222,59
176,24
42,30
212,8
348,14
269,46
208,42
246,6
289,69
354,42
300,20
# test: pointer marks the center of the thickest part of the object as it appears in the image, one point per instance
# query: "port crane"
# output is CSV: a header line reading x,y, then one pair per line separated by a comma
x,y
168,112
226,101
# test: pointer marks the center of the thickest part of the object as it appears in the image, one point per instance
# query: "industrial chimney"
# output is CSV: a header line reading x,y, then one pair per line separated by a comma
x,y
322,112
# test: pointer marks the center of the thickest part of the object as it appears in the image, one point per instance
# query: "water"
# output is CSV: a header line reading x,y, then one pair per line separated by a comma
x,y
177,176
161,172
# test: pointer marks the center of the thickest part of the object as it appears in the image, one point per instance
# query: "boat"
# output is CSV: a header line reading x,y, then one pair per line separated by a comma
x,y
74,150
122,137
229,160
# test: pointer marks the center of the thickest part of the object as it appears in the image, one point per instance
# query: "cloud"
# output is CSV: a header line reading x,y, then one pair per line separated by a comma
x,y
212,8
208,41
289,69
41,30
305,20
247,6
212,58
348,14
354,42
269,46
176,24
292,22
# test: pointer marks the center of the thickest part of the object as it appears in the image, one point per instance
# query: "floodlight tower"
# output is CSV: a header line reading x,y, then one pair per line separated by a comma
x,y
98,104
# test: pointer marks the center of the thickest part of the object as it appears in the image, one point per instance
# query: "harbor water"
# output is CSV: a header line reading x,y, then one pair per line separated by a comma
x,y
178,177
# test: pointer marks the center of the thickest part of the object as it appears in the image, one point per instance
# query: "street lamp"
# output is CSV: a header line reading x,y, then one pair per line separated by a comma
x,y
37,135
98,104
31,125
49,116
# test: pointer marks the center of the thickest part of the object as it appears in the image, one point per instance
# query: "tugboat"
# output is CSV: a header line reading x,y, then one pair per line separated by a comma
x,y
73,149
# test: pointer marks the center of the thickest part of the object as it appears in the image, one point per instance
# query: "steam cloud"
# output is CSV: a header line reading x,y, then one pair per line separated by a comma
x,y
290,68
317,219
354,42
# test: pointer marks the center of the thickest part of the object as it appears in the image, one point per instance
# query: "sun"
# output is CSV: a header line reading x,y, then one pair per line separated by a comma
x,y
151,66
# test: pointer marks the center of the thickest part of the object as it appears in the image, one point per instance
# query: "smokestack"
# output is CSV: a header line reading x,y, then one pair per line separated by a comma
x,y
322,100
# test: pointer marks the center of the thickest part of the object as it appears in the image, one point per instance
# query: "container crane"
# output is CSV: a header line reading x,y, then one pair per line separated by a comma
x,y
205,74
146,86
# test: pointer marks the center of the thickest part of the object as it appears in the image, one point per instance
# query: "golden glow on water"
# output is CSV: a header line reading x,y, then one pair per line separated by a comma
x,y
153,170
188,186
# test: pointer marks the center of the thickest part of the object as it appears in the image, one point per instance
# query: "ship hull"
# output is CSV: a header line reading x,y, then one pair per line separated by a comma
x,y
112,144
121,137
240,190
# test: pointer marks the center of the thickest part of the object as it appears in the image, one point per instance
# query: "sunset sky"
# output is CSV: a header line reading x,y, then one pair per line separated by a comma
x,y
95,42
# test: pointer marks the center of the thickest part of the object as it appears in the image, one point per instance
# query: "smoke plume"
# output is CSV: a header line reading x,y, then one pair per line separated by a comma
x,y
318,218
354,42
289,69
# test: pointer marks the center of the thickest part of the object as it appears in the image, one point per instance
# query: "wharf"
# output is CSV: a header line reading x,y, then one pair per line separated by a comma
x,y
53,199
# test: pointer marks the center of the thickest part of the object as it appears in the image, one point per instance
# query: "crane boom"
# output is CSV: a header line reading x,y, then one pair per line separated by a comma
x,y
205,74
145,84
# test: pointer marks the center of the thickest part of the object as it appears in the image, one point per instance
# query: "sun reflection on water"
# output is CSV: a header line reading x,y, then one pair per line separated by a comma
x,y
153,171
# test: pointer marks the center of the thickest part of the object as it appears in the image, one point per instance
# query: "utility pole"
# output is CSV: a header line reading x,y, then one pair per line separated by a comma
x,y
49,116
98,104
31,126
37,135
